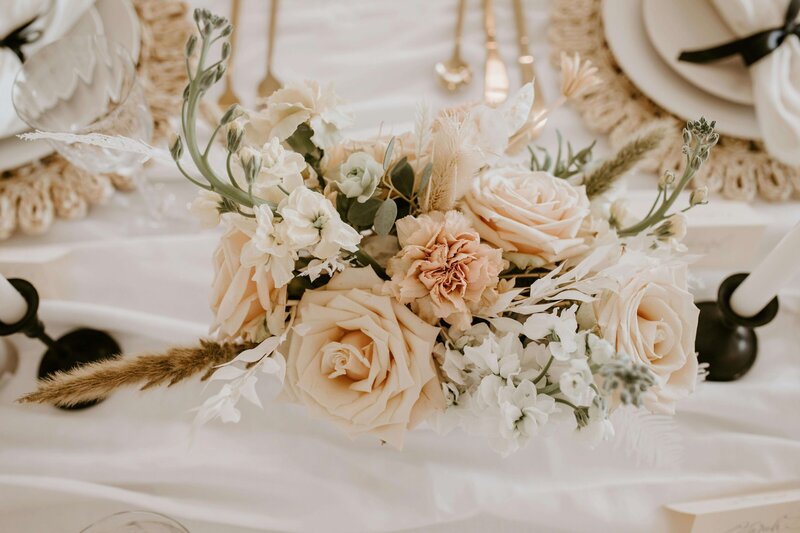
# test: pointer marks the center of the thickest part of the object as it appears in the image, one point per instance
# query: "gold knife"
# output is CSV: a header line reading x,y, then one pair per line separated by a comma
x,y
495,81
525,59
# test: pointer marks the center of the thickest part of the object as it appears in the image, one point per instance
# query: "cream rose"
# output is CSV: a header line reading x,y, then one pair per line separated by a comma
x,y
244,299
533,216
362,359
653,319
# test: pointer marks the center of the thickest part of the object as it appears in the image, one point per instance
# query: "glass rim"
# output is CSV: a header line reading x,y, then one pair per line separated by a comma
x,y
152,514
112,45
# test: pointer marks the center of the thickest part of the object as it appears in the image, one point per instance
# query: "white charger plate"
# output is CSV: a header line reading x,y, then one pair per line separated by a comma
x,y
625,33
679,25
115,19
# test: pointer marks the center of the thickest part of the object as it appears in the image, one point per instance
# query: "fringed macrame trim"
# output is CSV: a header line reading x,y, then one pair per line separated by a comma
x,y
737,168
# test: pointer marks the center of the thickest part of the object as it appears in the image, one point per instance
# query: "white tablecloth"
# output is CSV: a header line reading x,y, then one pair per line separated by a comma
x,y
279,470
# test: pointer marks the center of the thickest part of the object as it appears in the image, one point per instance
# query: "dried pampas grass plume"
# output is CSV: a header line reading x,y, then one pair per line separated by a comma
x,y
96,381
444,155
455,162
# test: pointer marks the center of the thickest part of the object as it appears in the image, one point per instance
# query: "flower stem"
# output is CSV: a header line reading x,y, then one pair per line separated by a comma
x,y
367,260
543,373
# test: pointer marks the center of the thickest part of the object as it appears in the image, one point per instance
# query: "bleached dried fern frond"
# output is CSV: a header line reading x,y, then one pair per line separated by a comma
x,y
651,440
423,124
96,381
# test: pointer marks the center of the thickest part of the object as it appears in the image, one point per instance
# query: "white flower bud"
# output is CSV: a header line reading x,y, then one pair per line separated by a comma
x,y
619,212
250,159
176,147
234,136
667,180
699,196
672,228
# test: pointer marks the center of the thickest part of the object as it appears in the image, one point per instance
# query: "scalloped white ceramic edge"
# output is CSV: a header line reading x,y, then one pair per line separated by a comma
x,y
627,38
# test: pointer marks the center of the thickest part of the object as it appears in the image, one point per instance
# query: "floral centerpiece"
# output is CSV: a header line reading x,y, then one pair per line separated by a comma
x,y
427,277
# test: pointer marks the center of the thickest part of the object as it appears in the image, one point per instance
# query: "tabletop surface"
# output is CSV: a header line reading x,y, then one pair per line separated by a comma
x,y
278,469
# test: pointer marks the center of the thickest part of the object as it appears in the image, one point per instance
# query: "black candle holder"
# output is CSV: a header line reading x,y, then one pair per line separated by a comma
x,y
726,340
76,348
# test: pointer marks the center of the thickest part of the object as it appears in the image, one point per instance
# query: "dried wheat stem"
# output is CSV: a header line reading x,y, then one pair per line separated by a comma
x,y
97,381
601,178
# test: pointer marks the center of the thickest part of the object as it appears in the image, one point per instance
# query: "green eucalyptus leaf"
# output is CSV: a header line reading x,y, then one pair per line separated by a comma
x,y
425,178
300,140
385,217
361,215
403,177
343,204
387,157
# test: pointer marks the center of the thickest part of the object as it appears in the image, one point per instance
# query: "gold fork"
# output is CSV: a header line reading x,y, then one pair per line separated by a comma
x,y
229,97
270,83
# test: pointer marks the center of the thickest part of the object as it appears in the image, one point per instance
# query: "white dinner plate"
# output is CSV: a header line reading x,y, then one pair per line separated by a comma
x,y
625,33
680,25
116,19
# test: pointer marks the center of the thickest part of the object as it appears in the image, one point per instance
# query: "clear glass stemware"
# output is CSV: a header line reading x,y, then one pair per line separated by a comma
x,y
136,522
83,85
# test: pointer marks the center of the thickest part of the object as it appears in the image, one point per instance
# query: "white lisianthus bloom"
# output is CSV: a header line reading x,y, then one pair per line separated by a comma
x,y
310,221
359,176
577,381
205,207
563,327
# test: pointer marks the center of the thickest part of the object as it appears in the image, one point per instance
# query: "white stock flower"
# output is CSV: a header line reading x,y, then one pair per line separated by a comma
x,y
359,176
295,104
279,167
310,221
523,413
205,207
600,349
598,429
266,248
496,355
565,344
577,381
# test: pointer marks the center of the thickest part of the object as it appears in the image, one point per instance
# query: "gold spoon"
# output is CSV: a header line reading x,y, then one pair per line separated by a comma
x,y
229,97
454,73
270,83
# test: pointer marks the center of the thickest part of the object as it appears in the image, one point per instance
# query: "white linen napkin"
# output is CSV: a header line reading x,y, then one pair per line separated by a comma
x,y
57,17
776,77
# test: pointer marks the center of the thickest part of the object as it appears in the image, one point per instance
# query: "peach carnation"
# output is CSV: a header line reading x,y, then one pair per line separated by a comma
x,y
443,270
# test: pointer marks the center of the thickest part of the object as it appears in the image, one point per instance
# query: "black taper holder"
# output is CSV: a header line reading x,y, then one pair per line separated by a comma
x,y
726,340
76,348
